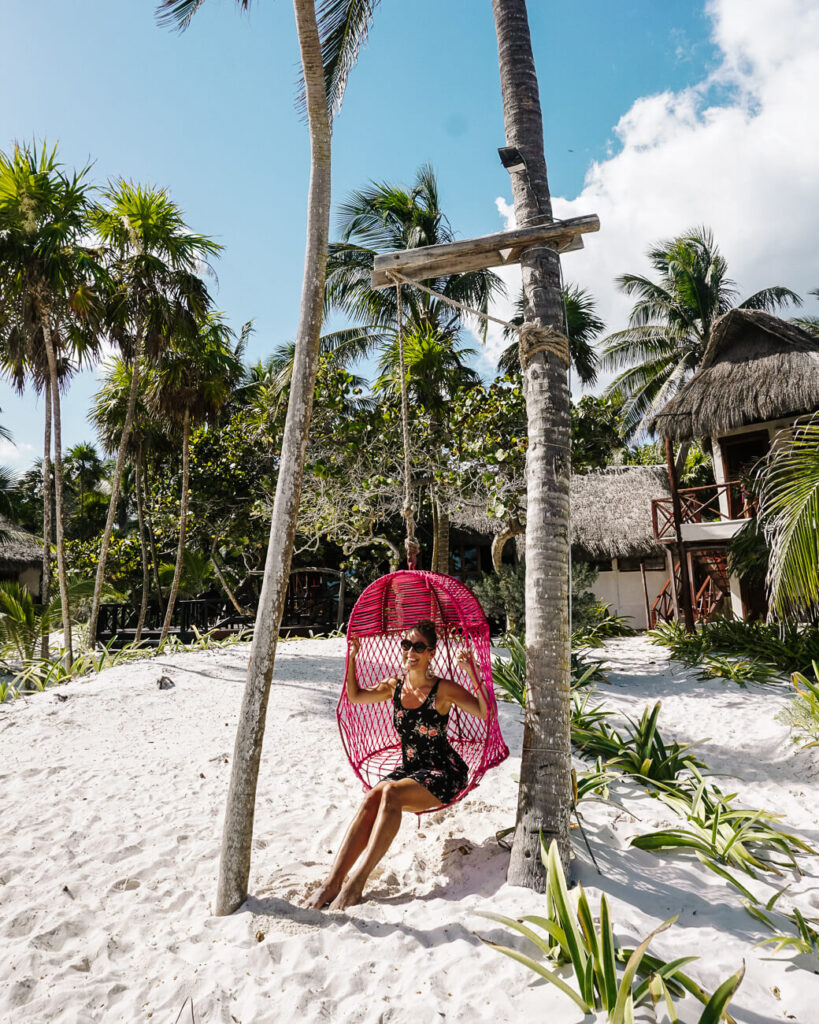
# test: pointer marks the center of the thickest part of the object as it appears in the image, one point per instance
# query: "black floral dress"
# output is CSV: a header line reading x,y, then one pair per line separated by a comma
x,y
426,753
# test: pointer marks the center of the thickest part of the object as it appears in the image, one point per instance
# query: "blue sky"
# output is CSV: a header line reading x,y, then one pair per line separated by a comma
x,y
210,115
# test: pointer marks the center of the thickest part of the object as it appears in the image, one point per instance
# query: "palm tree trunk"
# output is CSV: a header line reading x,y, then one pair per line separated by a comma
x,y
146,576
58,487
544,793
183,519
234,868
116,482
441,563
434,560
45,586
149,521
682,456
225,585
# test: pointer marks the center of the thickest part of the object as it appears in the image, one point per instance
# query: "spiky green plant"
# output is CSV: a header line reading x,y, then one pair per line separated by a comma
x,y
742,837
738,670
802,713
567,934
639,751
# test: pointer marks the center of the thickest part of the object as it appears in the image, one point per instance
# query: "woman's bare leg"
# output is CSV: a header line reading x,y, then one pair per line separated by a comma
x,y
396,797
355,842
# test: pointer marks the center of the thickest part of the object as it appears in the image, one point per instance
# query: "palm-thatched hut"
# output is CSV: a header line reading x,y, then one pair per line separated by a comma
x,y
21,556
759,370
611,529
759,376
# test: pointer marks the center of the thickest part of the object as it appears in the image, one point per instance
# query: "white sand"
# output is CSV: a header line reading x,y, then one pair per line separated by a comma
x,y
112,801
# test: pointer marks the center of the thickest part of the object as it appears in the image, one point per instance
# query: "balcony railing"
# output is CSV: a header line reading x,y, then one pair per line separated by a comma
x,y
713,503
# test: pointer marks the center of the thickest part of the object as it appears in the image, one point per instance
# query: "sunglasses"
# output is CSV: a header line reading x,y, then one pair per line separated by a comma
x,y
418,646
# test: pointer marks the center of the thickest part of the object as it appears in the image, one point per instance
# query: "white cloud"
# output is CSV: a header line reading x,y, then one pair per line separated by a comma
x,y
738,152
16,457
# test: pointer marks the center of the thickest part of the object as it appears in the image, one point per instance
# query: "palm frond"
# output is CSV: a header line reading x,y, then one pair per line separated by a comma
x,y
789,511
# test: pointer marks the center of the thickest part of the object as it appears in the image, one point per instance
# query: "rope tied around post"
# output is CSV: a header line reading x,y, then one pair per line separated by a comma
x,y
534,338
408,510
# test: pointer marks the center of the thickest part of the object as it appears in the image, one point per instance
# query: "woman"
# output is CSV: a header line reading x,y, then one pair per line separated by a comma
x,y
431,771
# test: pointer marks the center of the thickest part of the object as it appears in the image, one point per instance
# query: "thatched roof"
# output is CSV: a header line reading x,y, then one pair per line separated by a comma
x,y
758,368
20,549
610,512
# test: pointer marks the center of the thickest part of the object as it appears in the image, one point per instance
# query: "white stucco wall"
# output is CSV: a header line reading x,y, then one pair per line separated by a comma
x,y
623,592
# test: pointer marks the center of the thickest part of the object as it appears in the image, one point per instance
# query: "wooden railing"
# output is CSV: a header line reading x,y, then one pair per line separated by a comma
x,y
663,606
118,622
702,505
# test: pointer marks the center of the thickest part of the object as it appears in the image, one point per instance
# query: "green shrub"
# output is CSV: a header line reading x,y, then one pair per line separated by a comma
x,y
787,647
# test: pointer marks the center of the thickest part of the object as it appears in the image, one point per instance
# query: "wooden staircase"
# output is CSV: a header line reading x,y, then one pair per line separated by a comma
x,y
711,570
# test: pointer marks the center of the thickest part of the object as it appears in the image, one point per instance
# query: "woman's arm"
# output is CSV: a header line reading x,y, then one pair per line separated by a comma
x,y
455,694
355,693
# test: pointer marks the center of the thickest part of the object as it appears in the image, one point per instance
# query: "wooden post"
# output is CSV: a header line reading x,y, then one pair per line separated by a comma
x,y
645,593
672,579
685,585
342,580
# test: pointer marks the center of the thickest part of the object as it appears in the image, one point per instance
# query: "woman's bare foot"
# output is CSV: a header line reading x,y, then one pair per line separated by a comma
x,y
325,894
351,893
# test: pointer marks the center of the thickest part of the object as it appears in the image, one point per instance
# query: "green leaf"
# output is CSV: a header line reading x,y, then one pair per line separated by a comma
x,y
626,982
539,969
719,1000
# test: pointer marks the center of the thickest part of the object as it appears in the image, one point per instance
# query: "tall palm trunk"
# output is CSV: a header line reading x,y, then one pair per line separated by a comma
x,y
143,546
545,779
45,586
441,523
149,522
221,577
183,520
116,483
234,868
58,487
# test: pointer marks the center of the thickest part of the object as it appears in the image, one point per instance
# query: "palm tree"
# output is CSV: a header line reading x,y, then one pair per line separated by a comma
x,y
435,373
382,218
788,490
84,469
47,280
808,322
582,327
109,411
670,325
329,43
156,262
189,386
545,778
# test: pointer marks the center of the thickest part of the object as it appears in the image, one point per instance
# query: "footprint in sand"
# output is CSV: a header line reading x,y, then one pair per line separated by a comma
x,y
21,925
122,853
125,885
55,938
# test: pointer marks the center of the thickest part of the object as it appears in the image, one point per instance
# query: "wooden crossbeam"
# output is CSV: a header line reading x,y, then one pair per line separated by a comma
x,y
501,249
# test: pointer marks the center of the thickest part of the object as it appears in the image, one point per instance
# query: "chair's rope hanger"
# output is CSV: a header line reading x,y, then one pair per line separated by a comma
x,y
408,511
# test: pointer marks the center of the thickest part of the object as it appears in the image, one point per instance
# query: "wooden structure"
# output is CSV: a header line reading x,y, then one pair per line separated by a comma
x,y
21,557
610,528
118,621
315,601
759,376
503,248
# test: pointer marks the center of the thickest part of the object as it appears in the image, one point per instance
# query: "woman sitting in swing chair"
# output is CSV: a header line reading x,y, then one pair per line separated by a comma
x,y
431,772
